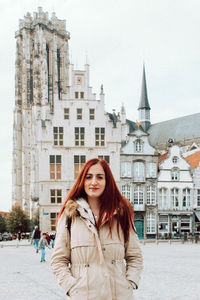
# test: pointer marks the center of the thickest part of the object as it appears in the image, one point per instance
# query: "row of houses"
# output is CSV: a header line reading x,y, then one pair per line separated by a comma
x,y
59,123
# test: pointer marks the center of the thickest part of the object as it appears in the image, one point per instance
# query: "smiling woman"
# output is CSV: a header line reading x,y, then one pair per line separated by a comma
x,y
97,253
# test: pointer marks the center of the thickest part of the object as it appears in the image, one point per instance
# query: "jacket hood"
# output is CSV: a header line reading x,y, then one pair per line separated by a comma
x,y
77,207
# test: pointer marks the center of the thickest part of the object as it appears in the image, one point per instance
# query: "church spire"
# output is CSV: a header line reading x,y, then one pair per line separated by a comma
x,y
144,108
144,103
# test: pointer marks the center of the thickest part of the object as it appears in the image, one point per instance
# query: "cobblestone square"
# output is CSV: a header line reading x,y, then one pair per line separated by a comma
x,y
171,272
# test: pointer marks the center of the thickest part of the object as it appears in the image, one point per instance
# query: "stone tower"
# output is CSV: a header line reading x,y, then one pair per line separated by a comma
x,y
41,78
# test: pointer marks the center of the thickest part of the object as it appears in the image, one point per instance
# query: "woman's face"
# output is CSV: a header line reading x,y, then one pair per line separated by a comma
x,y
95,182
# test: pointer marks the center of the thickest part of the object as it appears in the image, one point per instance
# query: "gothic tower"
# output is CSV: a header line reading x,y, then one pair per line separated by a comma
x,y
41,79
144,108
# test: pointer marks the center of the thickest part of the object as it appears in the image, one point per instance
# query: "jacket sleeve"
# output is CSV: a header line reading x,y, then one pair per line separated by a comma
x,y
133,257
60,259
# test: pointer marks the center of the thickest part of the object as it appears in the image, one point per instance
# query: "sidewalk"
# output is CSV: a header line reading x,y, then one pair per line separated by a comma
x,y
171,272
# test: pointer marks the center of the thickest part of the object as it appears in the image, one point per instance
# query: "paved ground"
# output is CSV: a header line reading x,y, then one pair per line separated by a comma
x,y
171,272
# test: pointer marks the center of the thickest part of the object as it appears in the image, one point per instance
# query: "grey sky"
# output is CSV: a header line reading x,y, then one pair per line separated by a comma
x,y
117,36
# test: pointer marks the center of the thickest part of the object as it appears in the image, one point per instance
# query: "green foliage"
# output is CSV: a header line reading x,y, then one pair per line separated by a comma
x,y
2,224
17,220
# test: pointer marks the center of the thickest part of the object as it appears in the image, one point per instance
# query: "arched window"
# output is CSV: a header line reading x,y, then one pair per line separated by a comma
x,y
138,195
138,171
126,191
186,198
138,145
162,202
151,195
151,222
175,198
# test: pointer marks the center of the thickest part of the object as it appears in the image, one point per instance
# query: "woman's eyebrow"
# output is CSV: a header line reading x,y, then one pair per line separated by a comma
x,y
95,174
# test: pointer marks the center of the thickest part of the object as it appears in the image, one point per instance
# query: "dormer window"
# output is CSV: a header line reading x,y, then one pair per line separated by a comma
x,y
175,159
138,146
175,174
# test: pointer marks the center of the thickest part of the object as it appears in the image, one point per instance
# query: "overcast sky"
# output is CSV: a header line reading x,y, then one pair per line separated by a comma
x,y
117,36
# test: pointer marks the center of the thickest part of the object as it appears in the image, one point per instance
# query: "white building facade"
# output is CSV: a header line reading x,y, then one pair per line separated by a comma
x,y
175,195
58,121
139,181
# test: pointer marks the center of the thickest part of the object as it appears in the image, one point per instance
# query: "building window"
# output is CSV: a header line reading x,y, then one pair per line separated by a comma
x,y
175,174
198,197
82,95
175,198
53,217
126,191
163,223
76,95
100,136
162,203
79,160
151,222
151,170
58,136
55,166
66,113
106,157
151,195
185,223
138,195
125,169
79,113
138,146
186,197
91,113
174,159
138,171
79,136
56,196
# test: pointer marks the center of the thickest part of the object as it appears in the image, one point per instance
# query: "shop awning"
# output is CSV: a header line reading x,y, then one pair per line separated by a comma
x,y
197,213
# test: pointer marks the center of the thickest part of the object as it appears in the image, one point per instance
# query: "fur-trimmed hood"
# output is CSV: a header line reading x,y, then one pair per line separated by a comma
x,y
77,207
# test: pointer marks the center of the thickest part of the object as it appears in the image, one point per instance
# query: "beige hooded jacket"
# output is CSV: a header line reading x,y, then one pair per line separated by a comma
x,y
89,264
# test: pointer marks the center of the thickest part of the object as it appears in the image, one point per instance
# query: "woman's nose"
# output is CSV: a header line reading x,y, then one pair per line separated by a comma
x,y
94,181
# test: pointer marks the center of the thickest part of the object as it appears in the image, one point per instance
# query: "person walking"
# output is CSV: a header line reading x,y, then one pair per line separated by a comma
x,y
42,244
52,237
48,238
96,253
36,238
19,236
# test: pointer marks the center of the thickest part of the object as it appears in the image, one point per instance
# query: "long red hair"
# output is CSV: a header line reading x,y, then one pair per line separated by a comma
x,y
112,203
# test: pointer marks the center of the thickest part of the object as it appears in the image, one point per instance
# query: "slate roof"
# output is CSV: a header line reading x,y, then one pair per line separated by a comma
x,y
179,129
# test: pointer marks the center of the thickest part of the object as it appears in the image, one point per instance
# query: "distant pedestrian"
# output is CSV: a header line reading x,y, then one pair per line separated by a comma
x,y
19,236
48,238
42,244
36,238
52,237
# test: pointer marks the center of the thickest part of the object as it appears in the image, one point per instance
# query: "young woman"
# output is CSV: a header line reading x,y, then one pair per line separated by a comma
x,y
96,254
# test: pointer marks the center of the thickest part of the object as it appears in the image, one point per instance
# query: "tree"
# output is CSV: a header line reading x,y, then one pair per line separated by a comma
x,y
17,220
2,224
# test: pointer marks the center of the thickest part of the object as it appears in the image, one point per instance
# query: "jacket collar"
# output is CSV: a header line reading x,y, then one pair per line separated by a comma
x,y
79,206
85,210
